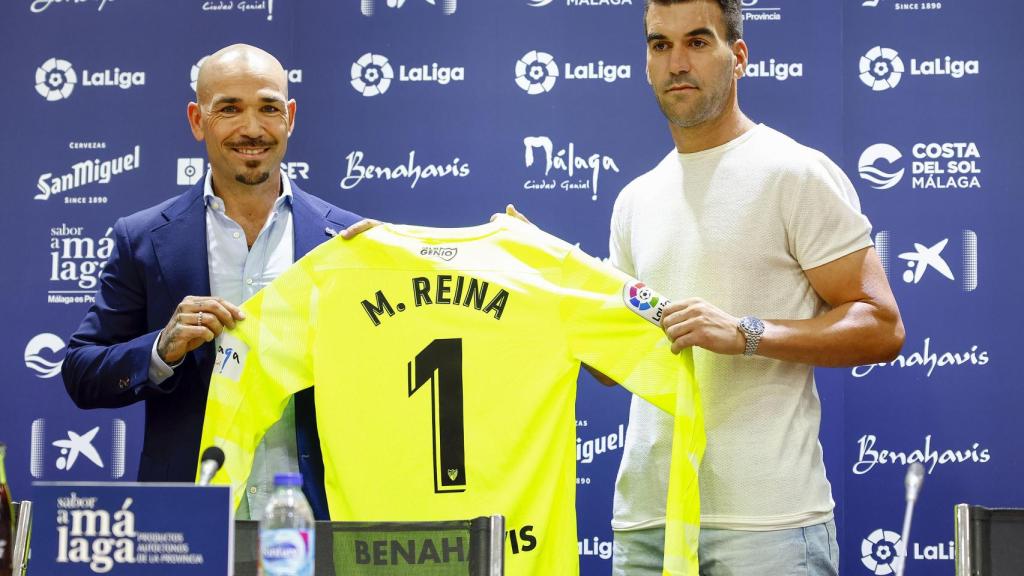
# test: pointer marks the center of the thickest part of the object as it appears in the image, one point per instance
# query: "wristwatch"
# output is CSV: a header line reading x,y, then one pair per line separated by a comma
x,y
752,328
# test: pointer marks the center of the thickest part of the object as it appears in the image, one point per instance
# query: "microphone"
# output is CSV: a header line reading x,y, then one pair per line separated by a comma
x,y
212,460
912,482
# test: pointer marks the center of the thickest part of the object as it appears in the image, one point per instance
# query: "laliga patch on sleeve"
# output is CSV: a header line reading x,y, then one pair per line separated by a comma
x,y
644,301
231,354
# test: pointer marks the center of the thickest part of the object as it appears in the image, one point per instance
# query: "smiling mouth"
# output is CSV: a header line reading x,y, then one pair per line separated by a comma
x,y
251,152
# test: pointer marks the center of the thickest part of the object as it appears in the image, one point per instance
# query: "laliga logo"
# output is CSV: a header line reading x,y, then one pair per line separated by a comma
x,y
36,362
644,301
55,79
536,72
371,74
881,68
880,550
877,177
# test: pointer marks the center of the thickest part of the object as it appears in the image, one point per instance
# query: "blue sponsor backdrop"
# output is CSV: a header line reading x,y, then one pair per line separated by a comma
x,y
441,112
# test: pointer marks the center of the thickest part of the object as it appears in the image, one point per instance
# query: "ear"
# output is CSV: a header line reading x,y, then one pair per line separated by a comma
x,y
291,116
739,52
195,118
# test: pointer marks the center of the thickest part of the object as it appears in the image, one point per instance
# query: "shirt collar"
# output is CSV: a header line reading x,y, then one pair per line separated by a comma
x,y
211,199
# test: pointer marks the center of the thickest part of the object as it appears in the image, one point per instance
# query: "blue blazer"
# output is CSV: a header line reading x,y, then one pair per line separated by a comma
x,y
159,257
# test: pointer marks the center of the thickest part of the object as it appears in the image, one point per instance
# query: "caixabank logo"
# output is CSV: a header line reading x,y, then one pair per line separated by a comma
x,y
882,68
933,165
77,452
537,72
57,79
373,74
930,261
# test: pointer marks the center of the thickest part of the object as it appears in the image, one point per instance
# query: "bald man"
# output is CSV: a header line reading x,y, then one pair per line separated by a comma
x,y
180,269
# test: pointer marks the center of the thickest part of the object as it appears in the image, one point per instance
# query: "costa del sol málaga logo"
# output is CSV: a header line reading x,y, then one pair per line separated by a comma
x,y
536,72
55,79
371,74
880,550
868,168
881,68
44,367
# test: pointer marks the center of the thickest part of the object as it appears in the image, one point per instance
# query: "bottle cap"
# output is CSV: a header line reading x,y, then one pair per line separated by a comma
x,y
288,479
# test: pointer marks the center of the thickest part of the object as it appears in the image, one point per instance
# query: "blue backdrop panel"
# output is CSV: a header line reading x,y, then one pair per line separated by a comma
x,y
440,113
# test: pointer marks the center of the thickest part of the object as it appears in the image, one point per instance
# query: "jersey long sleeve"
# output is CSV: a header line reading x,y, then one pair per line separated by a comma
x,y
444,363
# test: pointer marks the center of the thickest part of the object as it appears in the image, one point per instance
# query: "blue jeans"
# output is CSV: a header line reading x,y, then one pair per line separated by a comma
x,y
810,551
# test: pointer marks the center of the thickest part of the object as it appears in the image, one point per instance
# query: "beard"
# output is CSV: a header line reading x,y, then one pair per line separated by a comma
x,y
252,178
711,98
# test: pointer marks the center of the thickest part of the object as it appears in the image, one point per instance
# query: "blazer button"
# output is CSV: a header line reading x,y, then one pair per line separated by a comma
x,y
124,382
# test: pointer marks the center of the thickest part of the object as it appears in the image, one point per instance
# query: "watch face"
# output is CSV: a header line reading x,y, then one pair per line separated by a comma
x,y
752,325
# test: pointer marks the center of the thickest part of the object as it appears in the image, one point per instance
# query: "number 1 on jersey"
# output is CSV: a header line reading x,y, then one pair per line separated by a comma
x,y
440,364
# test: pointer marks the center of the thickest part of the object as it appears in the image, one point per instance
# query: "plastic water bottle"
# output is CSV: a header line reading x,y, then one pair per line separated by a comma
x,y
287,530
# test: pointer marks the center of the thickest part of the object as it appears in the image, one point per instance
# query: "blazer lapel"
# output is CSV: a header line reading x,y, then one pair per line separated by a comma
x,y
180,247
312,226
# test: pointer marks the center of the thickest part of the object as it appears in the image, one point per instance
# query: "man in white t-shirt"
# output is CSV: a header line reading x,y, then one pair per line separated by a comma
x,y
760,243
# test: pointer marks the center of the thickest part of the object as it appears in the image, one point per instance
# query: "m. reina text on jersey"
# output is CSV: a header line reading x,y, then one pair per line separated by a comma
x,y
453,290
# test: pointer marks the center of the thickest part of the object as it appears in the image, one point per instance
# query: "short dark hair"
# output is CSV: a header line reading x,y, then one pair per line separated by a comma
x,y
731,15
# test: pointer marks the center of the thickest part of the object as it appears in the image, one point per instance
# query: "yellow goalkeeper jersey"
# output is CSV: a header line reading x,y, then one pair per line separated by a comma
x,y
444,363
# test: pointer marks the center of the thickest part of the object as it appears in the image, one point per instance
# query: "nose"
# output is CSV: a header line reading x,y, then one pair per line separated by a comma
x,y
251,126
679,60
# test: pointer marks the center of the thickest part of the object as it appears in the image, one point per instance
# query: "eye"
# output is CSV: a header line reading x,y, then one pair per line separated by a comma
x,y
698,43
659,46
271,109
229,109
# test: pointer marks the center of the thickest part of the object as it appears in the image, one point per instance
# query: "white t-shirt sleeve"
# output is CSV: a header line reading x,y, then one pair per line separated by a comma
x,y
619,242
825,222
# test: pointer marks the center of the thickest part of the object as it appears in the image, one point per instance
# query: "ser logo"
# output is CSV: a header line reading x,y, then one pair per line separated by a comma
x,y
75,449
929,257
881,551
190,170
